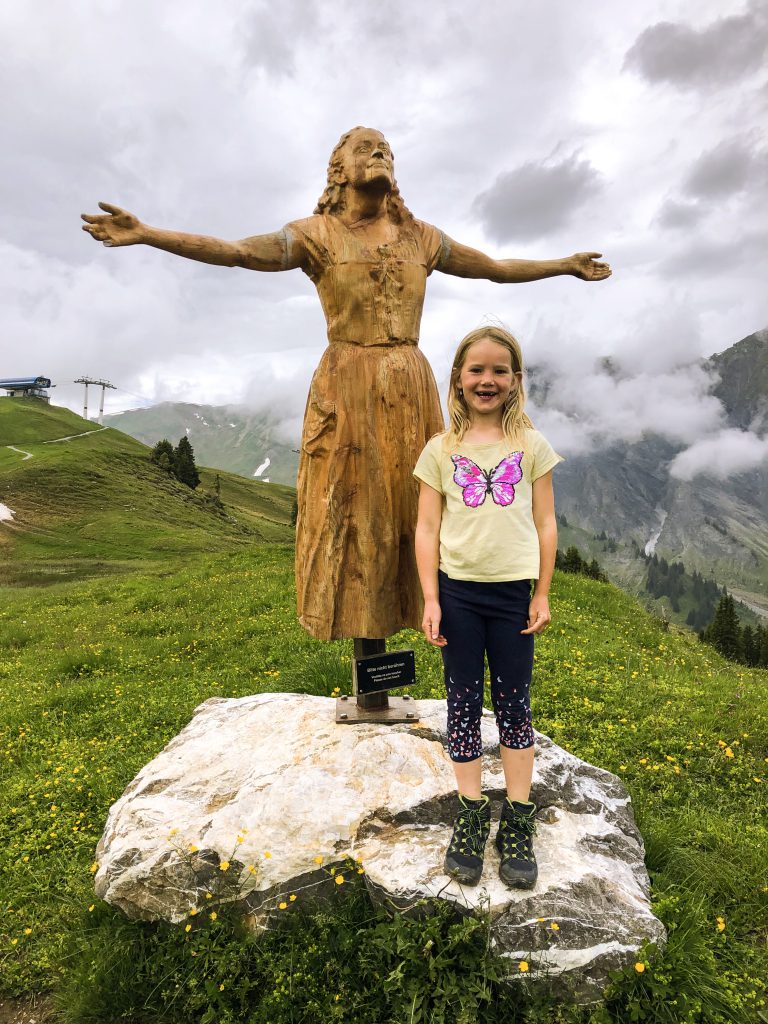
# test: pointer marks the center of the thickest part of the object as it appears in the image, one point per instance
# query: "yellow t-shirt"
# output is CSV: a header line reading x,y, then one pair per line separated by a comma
x,y
487,532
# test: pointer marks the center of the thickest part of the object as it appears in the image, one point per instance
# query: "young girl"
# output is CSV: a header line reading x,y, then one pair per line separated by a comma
x,y
486,528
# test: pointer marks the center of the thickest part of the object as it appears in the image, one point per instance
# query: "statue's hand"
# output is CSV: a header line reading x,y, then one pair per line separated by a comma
x,y
584,265
115,227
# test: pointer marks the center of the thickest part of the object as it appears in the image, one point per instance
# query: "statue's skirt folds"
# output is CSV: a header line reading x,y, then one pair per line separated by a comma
x,y
371,409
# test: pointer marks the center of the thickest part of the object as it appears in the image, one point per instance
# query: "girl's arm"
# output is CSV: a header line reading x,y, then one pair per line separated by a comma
x,y
428,560
546,527
462,261
271,252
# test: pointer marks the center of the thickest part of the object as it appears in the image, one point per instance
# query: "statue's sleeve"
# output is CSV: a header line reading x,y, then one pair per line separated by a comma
x,y
436,245
311,234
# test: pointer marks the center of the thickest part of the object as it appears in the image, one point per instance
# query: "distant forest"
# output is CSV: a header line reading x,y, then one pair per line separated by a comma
x,y
711,609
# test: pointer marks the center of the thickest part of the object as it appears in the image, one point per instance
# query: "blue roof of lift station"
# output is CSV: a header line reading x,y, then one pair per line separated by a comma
x,y
17,383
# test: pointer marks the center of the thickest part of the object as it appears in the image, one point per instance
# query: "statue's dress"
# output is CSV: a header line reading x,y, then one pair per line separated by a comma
x,y
372,407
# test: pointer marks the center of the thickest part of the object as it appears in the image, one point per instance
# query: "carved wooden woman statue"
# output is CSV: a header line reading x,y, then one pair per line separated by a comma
x,y
373,403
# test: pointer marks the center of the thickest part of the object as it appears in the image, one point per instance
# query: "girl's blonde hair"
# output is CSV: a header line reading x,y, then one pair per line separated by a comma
x,y
514,420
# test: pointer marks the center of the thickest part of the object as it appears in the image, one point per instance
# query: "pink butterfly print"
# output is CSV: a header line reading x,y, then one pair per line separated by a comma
x,y
499,482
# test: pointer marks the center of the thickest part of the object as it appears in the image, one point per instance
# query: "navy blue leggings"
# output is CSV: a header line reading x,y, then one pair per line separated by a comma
x,y
479,619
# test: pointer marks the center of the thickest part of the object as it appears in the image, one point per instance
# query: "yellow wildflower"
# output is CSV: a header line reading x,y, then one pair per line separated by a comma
x,y
188,928
282,905
339,879
523,965
318,860
94,867
267,854
292,897
193,848
27,931
193,911
728,752
720,924
555,926
213,915
640,967
224,866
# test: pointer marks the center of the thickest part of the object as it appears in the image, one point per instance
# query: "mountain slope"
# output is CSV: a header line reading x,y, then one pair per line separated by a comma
x,y
228,437
716,526
31,419
97,501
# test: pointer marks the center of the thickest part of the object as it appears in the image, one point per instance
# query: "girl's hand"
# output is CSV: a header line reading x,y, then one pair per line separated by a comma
x,y
430,624
538,615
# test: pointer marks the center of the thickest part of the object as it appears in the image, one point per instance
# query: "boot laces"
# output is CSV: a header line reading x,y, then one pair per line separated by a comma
x,y
470,832
517,831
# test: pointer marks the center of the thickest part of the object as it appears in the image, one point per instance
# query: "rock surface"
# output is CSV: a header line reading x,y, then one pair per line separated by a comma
x,y
272,781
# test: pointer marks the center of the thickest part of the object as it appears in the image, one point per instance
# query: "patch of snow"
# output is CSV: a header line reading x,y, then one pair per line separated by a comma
x,y
6,514
650,547
262,467
188,431
205,424
233,424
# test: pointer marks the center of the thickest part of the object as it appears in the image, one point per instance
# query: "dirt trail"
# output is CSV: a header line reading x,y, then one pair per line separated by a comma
x,y
69,437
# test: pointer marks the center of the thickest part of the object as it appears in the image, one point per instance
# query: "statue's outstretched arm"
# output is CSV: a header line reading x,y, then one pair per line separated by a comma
x,y
465,262
272,252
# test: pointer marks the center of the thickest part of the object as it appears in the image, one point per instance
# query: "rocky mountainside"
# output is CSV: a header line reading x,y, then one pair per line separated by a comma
x,y
716,526
224,437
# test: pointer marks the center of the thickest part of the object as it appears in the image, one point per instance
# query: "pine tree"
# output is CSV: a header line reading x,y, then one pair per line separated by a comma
x,y
184,463
573,562
162,454
762,646
723,632
749,649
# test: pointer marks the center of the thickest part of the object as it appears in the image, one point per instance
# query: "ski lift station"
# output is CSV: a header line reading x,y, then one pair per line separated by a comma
x,y
26,387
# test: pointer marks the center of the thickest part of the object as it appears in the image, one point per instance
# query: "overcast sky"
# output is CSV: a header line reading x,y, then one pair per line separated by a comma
x,y
526,130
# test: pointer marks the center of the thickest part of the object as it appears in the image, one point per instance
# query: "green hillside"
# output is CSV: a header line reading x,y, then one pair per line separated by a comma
x,y
30,419
96,503
97,676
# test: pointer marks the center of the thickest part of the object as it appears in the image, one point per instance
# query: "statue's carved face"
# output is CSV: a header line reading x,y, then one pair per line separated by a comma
x,y
367,160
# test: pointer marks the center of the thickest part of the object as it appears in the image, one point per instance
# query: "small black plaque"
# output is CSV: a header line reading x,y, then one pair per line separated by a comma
x,y
385,671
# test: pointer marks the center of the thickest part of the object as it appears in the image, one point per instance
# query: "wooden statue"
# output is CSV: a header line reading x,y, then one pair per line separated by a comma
x,y
373,403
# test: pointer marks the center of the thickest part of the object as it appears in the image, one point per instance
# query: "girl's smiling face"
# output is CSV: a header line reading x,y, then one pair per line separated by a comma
x,y
487,379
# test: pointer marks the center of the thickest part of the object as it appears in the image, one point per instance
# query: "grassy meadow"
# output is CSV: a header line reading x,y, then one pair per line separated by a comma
x,y
173,601
98,675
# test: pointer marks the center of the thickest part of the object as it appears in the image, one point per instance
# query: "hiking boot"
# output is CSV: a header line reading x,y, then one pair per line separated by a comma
x,y
514,841
464,859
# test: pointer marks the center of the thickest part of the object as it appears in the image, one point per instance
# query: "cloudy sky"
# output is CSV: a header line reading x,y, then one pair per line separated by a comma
x,y
525,130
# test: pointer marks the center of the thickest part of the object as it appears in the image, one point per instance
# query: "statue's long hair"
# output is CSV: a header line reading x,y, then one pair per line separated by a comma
x,y
514,421
334,198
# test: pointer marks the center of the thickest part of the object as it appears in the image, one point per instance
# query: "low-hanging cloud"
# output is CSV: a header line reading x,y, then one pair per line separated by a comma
x,y
536,199
689,58
721,455
599,408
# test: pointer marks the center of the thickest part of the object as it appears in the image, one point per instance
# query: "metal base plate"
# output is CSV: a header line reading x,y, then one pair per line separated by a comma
x,y
398,709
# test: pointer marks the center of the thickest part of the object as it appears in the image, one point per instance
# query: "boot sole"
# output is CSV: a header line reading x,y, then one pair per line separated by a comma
x,y
460,874
517,881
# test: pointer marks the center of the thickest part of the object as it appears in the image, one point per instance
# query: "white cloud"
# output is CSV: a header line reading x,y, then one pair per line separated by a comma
x,y
721,455
221,120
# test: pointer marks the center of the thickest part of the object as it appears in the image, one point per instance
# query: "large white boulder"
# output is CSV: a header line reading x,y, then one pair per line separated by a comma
x,y
271,784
